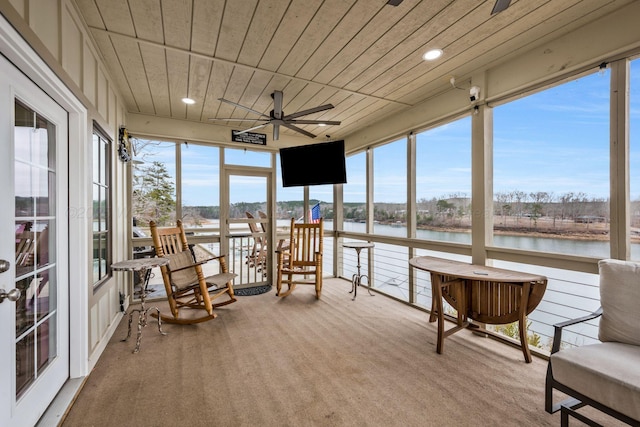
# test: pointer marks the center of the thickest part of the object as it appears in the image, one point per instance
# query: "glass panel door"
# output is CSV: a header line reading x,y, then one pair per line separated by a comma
x,y
248,230
35,183
34,329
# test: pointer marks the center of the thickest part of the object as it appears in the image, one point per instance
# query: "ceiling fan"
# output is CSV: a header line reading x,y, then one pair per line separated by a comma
x,y
278,118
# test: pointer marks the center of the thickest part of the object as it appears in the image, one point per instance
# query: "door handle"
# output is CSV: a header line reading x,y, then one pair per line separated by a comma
x,y
12,295
4,265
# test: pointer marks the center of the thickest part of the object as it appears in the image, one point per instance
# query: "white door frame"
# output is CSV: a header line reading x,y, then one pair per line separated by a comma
x,y
16,50
15,86
225,172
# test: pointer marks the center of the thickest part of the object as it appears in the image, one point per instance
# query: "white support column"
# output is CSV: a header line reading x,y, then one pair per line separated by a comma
x,y
411,209
481,182
178,148
619,161
273,222
370,210
305,204
369,199
411,185
338,224
224,205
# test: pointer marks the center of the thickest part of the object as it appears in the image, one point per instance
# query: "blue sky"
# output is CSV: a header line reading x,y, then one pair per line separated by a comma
x,y
554,141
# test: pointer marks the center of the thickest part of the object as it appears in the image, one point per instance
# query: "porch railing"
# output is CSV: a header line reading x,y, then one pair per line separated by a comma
x,y
569,293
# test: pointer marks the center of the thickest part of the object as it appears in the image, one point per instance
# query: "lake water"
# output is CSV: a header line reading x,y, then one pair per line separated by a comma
x,y
598,249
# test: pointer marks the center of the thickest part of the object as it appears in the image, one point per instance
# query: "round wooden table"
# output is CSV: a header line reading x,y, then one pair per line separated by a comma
x,y
482,293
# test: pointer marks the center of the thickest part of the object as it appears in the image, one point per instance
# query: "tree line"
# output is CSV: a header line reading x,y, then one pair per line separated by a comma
x,y
154,198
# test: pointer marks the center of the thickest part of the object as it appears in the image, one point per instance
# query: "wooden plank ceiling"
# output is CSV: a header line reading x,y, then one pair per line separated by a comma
x,y
362,56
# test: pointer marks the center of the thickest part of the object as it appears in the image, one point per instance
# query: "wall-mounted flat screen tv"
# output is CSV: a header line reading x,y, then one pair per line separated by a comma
x,y
314,164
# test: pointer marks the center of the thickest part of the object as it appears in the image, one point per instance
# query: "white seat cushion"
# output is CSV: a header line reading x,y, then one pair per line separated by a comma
x,y
607,372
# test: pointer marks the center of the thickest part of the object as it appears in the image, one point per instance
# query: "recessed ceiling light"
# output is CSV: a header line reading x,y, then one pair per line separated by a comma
x,y
432,54
188,101
322,124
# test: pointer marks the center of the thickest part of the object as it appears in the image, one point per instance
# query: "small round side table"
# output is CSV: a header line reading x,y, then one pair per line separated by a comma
x,y
143,266
356,280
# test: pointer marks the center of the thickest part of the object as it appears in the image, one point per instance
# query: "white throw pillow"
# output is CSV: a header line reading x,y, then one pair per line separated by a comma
x,y
620,300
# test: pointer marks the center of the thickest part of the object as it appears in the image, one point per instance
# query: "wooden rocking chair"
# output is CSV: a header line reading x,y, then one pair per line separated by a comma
x,y
184,281
303,258
30,249
258,256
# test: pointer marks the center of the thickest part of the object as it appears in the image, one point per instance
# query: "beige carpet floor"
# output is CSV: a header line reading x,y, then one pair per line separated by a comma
x,y
298,361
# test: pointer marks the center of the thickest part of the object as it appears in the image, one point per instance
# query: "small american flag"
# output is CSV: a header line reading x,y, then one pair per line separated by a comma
x,y
314,214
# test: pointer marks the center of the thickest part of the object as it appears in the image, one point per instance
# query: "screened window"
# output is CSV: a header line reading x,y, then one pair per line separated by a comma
x,y
101,189
322,195
390,188
355,193
289,200
154,183
443,182
200,187
551,169
234,156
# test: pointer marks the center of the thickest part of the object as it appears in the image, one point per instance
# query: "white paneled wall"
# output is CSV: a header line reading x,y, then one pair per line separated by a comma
x,y
58,35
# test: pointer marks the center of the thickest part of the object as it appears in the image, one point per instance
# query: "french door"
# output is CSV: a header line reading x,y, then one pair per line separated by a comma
x,y
34,312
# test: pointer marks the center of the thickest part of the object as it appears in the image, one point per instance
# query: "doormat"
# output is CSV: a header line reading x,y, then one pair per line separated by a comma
x,y
255,290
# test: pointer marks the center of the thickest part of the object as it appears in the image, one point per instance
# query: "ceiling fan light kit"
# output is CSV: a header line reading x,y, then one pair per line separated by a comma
x,y
278,118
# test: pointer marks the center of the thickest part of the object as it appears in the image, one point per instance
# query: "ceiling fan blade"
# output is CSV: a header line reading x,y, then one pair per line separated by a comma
x,y
309,111
277,104
243,107
500,5
250,129
231,119
297,129
313,122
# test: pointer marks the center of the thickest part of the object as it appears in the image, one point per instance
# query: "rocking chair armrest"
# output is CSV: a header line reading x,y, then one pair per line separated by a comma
x,y
174,270
215,257
203,261
557,334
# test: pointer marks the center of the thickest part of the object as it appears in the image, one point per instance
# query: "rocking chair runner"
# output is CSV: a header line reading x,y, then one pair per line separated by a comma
x,y
303,258
184,281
